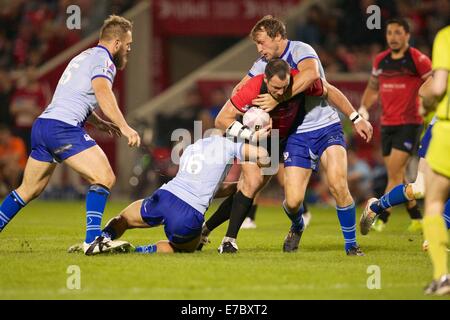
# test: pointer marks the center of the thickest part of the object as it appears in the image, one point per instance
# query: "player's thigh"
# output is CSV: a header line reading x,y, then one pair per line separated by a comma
x,y
93,165
437,187
132,214
295,183
280,175
397,162
35,178
334,161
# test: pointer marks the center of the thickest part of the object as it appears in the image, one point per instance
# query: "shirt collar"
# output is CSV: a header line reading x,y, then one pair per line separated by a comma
x,y
109,53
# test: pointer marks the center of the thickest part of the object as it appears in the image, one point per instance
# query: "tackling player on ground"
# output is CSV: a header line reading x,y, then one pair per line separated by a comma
x,y
180,204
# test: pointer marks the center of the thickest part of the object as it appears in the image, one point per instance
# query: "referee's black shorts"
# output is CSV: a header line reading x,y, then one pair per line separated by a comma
x,y
403,137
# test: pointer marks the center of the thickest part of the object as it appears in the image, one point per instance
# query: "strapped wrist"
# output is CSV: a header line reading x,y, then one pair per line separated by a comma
x,y
237,129
355,117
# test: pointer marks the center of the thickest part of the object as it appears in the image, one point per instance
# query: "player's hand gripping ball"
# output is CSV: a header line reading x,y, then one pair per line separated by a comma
x,y
255,119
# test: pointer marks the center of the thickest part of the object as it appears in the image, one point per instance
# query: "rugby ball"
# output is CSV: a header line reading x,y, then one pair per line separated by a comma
x,y
255,119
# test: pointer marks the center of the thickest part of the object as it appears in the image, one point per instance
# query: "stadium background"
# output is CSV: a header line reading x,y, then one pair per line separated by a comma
x,y
187,55
193,52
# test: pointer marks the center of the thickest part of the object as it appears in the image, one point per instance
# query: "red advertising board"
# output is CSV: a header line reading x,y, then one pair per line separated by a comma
x,y
215,17
204,18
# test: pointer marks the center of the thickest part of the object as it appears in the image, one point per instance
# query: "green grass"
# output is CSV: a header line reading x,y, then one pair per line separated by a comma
x,y
34,261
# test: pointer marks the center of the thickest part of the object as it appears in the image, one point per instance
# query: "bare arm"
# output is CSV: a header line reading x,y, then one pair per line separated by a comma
x,y
309,72
433,90
340,101
240,84
108,104
226,116
370,96
259,155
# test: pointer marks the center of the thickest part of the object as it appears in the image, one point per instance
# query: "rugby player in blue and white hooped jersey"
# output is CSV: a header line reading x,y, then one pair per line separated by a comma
x,y
58,134
180,204
319,137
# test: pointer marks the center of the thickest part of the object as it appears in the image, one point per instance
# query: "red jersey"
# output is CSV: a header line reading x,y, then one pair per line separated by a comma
x,y
399,83
287,115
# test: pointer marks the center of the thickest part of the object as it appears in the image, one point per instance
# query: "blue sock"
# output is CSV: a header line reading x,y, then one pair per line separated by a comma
x,y
95,205
9,208
392,198
447,214
347,219
296,218
151,248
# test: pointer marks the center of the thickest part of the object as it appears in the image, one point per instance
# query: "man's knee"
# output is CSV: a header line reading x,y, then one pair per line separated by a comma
x,y
292,204
107,179
339,189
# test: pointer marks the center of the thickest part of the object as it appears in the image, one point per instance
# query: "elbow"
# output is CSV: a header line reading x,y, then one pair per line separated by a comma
x,y
314,75
218,123
438,91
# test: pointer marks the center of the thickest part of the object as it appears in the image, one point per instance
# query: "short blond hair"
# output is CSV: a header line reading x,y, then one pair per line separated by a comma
x,y
271,25
115,27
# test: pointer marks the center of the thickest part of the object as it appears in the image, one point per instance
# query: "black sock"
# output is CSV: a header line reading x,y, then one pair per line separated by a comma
x,y
221,215
414,212
239,210
384,216
305,208
252,212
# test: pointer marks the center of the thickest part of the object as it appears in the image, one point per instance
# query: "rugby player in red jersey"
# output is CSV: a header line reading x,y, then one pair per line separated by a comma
x,y
397,75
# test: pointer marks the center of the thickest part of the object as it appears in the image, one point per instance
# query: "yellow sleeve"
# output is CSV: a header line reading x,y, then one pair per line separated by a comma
x,y
441,50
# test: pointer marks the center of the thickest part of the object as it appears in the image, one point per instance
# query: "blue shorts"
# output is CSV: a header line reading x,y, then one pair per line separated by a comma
x,y
55,141
305,149
425,142
182,223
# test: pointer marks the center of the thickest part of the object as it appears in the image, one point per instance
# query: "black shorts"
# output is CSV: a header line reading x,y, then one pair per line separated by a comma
x,y
404,137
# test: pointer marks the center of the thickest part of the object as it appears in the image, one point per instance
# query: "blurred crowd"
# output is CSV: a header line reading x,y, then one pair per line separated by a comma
x,y
345,44
32,31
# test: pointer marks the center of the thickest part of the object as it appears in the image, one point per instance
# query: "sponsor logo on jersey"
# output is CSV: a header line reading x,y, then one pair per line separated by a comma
x,y
88,137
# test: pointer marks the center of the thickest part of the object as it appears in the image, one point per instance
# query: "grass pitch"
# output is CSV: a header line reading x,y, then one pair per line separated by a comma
x,y
34,262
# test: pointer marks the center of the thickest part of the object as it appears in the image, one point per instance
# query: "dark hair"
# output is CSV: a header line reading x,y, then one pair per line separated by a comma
x,y
400,21
277,67
115,27
271,25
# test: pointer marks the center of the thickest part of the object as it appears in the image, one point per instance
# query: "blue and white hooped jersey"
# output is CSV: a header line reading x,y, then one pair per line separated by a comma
x,y
74,99
319,113
203,167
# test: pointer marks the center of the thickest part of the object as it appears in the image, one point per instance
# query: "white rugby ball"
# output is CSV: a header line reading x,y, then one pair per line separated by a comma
x,y
255,119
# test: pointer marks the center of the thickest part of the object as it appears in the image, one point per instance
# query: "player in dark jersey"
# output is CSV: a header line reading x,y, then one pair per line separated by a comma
x,y
397,75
